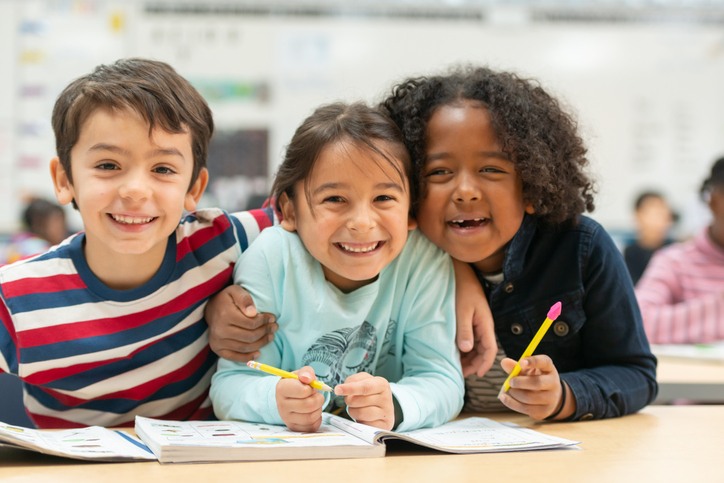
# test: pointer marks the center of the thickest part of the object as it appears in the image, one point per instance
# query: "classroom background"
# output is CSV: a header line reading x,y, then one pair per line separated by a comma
x,y
643,78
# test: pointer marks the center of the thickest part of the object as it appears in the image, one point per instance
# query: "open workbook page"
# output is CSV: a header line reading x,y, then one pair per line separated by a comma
x,y
199,441
92,443
470,435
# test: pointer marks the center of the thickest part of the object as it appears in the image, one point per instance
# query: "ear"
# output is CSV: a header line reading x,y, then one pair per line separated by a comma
x,y
289,219
61,183
411,223
529,209
194,195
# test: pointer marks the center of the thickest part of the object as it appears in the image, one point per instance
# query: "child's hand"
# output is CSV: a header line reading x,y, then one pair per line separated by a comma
x,y
236,330
536,390
475,329
299,404
369,400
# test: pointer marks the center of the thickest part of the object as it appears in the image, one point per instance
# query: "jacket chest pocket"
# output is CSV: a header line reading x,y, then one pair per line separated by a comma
x,y
562,341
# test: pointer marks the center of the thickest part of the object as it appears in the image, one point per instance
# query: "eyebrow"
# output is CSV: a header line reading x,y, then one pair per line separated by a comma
x,y
124,152
389,186
328,186
109,147
483,154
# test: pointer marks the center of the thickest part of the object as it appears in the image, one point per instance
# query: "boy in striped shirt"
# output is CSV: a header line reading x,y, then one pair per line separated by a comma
x,y
109,324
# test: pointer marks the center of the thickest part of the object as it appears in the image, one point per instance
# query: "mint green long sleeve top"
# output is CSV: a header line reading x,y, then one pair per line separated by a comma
x,y
400,327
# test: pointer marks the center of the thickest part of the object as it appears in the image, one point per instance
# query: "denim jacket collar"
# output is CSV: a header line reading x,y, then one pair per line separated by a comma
x,y
518,247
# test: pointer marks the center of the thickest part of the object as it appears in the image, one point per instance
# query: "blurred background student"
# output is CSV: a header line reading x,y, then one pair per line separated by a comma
x,y
654,220
681,293
43,226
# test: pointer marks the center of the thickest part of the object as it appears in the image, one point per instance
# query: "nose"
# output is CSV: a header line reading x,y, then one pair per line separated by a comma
x,y
362,219
135,186
466,188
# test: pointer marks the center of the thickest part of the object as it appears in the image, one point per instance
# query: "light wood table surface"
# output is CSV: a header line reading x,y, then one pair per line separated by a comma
x,y
660,443
690,379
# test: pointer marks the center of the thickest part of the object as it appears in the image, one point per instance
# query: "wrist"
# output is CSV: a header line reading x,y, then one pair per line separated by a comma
x,y
567,406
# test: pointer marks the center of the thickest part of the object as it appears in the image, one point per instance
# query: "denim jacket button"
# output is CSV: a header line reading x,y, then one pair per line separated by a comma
x,y
516,329
586,417
508,287
560,328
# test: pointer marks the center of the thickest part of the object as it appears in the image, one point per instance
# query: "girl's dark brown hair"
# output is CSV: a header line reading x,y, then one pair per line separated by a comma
x,y
356,124
152,89
534,131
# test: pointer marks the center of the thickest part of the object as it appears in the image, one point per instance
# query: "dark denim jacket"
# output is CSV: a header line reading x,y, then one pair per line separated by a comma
x,y
598,344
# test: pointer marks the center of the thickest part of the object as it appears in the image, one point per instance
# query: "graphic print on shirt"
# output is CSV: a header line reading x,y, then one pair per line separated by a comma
x,y
389,347
337,355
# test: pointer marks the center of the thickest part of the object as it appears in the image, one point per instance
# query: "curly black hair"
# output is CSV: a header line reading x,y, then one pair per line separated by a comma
x,y
532,128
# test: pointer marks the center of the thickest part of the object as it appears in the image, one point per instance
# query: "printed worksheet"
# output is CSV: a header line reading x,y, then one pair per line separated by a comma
x,y
237,433
471,435
92,443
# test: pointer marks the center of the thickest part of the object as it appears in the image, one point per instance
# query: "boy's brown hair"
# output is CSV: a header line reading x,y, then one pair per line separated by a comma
x,y
151,88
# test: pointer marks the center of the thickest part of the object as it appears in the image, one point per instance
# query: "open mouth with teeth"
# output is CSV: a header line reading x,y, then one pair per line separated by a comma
x,y
131,220
359,247
472,223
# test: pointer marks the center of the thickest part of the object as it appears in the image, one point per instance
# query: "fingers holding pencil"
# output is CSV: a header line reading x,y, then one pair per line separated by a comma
x,y
299,404
538,389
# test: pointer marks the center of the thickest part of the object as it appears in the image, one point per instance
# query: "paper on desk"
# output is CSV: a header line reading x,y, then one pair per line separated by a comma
x,y
92,443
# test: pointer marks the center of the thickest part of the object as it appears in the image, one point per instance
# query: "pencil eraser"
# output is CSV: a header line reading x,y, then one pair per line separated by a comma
x,y
250,364
555,311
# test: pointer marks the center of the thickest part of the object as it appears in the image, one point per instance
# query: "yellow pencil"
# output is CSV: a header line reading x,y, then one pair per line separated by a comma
x,y
553,314
286,375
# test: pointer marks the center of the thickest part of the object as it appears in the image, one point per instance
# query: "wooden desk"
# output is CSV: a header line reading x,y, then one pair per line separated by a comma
x,y
688,379
661,443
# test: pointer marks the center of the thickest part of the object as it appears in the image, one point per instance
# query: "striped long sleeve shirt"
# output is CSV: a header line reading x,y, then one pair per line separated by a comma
x,y
681,293
91,355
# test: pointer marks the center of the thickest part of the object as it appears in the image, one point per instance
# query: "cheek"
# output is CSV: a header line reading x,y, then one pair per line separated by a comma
x,y
430,211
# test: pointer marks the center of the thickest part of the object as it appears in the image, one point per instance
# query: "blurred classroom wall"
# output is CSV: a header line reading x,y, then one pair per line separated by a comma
x,y
644,78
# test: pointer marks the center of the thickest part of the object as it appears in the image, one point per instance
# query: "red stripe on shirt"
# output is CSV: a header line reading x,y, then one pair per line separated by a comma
x,y
262,219
55,283
112,325
49,422
192,242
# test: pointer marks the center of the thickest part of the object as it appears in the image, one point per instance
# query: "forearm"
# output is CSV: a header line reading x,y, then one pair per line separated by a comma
x,y
240,394
611,391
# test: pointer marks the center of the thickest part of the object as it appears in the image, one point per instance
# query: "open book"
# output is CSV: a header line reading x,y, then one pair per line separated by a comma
x,y
205,441
93,443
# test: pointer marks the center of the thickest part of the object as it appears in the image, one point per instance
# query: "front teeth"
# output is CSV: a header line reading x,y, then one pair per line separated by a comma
x,y
359,249
474,219
129,220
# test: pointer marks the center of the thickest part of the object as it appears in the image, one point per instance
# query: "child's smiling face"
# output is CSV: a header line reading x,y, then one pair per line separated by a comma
x,y
357,220
131,188
473,197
